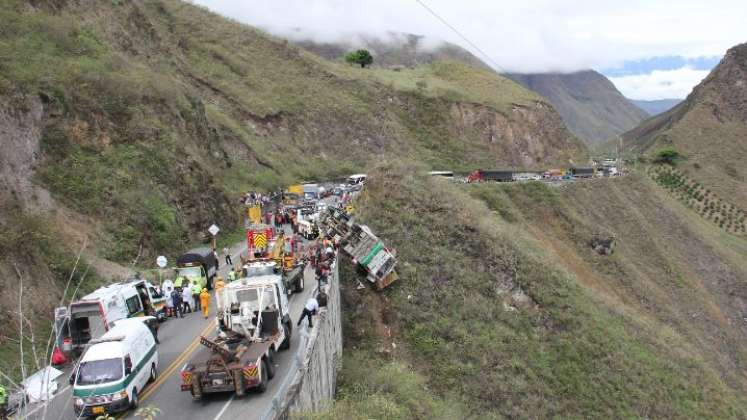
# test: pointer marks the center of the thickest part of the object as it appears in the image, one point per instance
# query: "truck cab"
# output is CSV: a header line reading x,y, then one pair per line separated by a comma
x,y
257,308
198,265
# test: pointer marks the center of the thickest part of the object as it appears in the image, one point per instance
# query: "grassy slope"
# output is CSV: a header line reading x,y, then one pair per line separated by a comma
x,y
499,326
157,113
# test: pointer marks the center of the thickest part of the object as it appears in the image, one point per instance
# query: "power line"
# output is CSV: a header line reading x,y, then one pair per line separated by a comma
x,y
456,31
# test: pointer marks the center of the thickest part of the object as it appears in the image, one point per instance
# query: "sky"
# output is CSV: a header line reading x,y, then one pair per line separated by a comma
x,y
650,49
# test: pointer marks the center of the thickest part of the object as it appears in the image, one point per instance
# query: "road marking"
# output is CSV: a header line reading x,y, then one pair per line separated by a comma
x,y
177,362
225,407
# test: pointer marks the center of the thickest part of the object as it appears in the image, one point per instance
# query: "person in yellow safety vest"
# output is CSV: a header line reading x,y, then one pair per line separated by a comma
x,y
205,302
178,281
231,276
196,295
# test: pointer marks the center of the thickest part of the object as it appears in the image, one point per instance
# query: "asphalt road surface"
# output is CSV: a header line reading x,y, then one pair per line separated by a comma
x,y
179,344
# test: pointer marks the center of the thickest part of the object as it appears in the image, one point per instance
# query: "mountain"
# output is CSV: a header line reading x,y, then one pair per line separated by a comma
x,y
392,49
129,127
657,106
591,106
709,130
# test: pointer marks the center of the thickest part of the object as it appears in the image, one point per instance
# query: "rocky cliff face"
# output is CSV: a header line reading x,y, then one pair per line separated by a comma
x,y
589,103
709,129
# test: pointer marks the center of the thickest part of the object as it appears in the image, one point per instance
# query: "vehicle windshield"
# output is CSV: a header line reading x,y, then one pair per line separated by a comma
x,y
190,272
100,371
260,270
247,295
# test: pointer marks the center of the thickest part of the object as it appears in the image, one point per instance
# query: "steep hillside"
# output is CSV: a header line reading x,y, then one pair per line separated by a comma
x,y
129,127
504,310
393,49
709,129
589,103
656,107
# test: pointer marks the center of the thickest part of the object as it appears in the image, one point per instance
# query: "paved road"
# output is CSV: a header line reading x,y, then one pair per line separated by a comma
x,y
179,343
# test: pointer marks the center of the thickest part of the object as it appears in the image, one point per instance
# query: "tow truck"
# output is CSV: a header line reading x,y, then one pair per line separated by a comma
x,y
254,323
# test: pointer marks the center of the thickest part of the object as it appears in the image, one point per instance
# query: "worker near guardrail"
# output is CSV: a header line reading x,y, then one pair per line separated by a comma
x,y
312,305
205,302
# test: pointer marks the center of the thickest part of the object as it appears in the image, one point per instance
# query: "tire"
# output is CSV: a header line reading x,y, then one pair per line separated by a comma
x,y
195,397
134,401
285,345
270,363
262,387
301,283
153,374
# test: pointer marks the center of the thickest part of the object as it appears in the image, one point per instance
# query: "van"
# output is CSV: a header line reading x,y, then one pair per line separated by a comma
x,y
114,369
91,316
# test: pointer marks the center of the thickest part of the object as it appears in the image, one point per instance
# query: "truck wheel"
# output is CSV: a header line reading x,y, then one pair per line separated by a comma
x,y
288,329
263,379
238,381
300,284
196,396
133,399
270,363
153,374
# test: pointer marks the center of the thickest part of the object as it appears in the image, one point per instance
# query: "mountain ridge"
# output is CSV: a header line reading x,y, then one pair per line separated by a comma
x,y
589,103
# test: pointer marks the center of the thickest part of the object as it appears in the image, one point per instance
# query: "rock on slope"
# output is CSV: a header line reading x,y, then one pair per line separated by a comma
x,y
589,103
709,129
132,126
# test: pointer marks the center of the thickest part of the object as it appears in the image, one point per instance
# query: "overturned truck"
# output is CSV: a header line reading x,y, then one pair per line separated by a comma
x,y
360,243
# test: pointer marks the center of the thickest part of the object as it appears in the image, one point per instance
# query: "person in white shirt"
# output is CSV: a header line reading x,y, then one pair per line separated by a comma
x,y
186,299
310,309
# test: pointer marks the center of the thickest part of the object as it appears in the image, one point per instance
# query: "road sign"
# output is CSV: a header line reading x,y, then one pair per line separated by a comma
x,y
161,261
213,230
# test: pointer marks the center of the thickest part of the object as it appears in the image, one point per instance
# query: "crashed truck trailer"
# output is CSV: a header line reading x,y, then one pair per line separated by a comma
x,y
360,243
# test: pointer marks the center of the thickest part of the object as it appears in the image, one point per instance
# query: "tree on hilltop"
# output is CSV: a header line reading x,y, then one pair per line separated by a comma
x,y
362,57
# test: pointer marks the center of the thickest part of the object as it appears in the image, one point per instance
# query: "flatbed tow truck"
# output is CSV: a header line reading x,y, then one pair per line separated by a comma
x,y
254,323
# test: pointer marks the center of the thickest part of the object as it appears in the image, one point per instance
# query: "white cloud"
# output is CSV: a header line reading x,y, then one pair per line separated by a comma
x,y
529,35
660,84
520,36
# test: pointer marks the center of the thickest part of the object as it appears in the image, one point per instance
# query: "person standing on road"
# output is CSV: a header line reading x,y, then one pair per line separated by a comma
x,y
205,302
217,259
310,309
231,275
176,302
227,252
186,299
196,289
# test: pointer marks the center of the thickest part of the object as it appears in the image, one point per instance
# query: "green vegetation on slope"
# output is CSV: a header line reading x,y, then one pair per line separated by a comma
x,y
146,119
490,318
